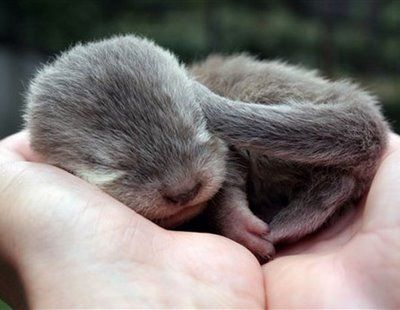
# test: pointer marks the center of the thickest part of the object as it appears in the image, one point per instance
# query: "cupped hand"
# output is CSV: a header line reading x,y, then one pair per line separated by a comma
x,y
353,264
74,246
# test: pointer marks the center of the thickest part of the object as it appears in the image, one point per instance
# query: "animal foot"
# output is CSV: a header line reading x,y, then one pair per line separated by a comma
x,y
247,229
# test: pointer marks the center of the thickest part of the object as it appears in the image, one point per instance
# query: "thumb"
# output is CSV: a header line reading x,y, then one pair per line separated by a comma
x,y
383,202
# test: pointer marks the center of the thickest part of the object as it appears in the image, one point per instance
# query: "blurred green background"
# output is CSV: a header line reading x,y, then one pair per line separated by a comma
x,y
357,39
3,306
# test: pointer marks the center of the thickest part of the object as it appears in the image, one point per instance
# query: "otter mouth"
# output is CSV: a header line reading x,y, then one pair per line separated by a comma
x,y
181,216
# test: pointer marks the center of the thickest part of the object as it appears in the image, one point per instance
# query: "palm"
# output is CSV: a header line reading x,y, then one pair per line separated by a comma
x,y
346,265
153,266
354,263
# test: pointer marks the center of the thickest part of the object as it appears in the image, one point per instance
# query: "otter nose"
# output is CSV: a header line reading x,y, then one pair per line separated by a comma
x,y
183,197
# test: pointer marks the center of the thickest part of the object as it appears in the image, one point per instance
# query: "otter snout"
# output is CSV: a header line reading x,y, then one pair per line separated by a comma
x,y
184,196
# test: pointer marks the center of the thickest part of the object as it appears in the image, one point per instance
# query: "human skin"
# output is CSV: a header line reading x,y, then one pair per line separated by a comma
x,y
71,245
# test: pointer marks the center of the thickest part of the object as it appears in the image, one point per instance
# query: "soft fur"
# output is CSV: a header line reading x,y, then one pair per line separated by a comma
x,y
310,146
123,114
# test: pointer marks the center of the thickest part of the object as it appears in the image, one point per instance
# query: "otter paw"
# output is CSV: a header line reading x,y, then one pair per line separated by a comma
x,y
247,229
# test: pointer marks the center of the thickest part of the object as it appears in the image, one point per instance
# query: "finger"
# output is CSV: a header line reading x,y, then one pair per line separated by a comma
x,y
17,148
383,202
393,145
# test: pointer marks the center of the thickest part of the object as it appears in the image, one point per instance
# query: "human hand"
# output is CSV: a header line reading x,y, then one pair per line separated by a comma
x,y
75,246
353,264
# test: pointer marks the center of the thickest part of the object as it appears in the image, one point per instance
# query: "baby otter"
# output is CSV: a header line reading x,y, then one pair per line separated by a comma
x,y
124,115
308,148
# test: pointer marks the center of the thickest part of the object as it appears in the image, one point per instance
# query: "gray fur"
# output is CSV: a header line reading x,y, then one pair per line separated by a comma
x,y
310,146
125,115
125,107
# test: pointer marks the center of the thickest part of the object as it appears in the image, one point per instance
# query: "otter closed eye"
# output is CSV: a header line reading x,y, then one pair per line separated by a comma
x,y
278,139
89,110
98,177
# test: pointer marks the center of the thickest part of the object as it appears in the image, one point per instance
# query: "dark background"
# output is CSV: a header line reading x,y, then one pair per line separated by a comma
x,y
357,39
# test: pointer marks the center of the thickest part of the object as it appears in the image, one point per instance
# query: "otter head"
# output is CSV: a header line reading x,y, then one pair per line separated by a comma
x,y
122,114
